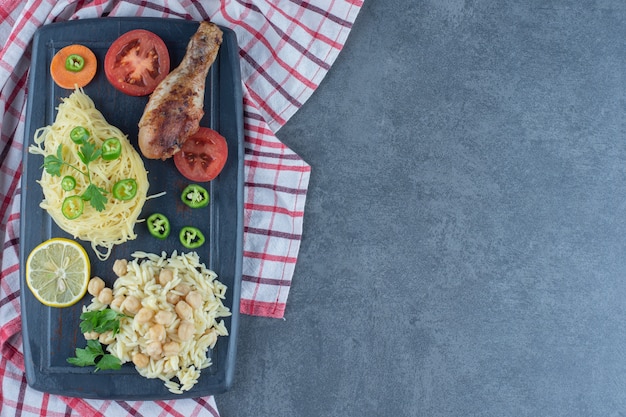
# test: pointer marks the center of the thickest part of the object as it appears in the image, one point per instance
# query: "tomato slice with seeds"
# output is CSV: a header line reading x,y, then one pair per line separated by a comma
x,y
137,62
203,156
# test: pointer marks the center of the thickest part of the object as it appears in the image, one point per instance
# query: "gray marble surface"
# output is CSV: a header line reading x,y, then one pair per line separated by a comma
x,y
464,248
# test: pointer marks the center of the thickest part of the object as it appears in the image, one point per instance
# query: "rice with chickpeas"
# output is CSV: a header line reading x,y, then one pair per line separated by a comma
x,y
172,307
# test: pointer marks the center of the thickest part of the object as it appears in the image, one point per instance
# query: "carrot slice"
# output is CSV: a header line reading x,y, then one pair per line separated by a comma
x,y
70,79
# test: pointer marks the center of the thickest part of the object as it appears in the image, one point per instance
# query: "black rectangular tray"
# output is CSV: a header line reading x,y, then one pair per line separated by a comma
x,y
50,335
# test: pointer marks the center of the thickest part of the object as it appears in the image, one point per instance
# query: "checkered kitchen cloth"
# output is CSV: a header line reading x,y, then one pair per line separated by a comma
x,y
287,47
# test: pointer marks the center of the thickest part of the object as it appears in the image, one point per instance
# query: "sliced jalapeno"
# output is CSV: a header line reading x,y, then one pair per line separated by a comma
x,y
72,207
111,149
74,63
158,225
79,135
195,196
68,183
125,189
191,237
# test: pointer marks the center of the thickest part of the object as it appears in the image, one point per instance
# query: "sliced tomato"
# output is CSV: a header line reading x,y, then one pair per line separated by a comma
x,y
137,62
203,156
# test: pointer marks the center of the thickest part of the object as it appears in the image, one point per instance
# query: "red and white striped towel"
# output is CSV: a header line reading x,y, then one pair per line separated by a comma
x,y
287,47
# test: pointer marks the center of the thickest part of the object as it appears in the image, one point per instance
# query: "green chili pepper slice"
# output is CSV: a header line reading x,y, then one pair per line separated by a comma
x,y
195,196
125,189
158,225
111,149
79,135
72,207
74,63
68,183
191,237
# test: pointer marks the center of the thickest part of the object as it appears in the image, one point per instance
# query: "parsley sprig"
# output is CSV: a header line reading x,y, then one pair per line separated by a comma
x,y
87,153
99,321
93,354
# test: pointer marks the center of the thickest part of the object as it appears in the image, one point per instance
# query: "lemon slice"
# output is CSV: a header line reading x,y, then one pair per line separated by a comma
x,y
57,272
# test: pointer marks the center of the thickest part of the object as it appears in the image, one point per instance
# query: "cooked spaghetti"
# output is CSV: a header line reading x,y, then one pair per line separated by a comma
x,y
113,225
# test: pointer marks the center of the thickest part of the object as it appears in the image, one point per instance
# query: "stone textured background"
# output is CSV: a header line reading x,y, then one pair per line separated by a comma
x,y
464,250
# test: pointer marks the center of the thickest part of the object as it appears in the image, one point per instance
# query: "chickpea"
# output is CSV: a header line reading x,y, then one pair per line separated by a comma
x,y
140,360
164,317
183,289
186,329
165,276
96,284
154,349
172,297
117,302
131,304
106,338
184,310
144,315
120,267
156,333
194,299
171,349
105,296
91,336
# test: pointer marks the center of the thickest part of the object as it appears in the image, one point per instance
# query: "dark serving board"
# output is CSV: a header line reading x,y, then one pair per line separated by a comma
x,y
51,334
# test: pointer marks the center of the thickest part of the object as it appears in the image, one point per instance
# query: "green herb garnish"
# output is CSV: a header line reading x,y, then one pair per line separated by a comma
x,y
88,152
99,321
93,354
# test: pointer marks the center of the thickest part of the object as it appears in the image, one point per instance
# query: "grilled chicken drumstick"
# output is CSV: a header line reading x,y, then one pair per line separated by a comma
x,y
175,107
